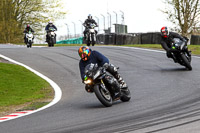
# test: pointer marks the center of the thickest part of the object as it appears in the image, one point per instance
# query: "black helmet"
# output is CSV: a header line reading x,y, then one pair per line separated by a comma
x,y
89,16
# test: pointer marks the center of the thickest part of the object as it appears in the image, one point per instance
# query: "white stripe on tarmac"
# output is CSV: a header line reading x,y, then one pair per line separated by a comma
x,y
143,49
58,92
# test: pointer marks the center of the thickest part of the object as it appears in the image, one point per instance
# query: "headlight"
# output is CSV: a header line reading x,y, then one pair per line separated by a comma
x,y
89,81
52,33
30,36
92,30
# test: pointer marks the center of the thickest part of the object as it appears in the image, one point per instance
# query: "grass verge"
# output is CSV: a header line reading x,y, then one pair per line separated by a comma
x,y
21,89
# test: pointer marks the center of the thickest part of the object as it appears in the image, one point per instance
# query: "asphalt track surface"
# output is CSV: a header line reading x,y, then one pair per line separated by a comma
x,y
165,96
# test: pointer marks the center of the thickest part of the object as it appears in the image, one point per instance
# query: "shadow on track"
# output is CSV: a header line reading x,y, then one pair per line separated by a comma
x,y
97,105
174,70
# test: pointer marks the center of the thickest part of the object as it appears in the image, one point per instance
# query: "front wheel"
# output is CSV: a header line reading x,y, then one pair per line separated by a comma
x,y
186,62
30,44
93,39
103,95
51,42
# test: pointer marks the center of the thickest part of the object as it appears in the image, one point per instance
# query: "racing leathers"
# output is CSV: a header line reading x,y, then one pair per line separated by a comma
x,y
86,24
47,30
26,30
167,41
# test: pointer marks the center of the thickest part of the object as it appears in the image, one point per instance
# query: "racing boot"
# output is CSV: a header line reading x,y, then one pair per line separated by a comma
x,y
114,71
122,83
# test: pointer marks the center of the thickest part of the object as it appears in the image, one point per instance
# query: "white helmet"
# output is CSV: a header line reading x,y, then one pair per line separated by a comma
x,y
50,23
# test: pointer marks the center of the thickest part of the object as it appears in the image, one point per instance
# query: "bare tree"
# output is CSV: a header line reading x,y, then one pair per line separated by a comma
x,y
185,14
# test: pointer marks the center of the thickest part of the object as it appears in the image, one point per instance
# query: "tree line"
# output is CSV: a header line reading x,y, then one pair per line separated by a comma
x,y
185,15
16,14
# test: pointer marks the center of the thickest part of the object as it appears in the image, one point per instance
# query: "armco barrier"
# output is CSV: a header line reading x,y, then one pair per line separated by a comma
x,y
195,40
131,38
71,41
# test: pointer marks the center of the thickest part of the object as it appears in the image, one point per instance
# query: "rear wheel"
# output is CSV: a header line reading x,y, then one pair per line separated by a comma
x,y
103,95
126,95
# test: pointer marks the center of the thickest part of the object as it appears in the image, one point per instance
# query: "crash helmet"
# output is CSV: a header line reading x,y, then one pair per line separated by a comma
x,y
90,16
164,32
50,23
84,52
28,26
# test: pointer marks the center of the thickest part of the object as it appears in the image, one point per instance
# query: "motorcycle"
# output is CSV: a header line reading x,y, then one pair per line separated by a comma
x,y
52,37
180,53
103,84
91,35
29,39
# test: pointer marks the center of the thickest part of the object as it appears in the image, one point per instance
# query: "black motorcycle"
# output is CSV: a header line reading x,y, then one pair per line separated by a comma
x,y
103,84
52,37
181,53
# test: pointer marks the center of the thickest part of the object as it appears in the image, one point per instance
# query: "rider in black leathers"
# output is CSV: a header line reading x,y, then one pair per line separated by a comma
x,y
50,24
26,30
167,39
87,23
88,56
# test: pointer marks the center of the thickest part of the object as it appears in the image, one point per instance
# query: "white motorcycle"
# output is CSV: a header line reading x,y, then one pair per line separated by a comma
x,y
52,37
91,35
29,39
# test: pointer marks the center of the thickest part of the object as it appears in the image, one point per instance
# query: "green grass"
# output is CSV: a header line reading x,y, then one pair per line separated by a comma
x,y
153,46
195,49
19,86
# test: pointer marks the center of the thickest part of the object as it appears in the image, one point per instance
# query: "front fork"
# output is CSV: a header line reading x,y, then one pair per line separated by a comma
x,y
103,86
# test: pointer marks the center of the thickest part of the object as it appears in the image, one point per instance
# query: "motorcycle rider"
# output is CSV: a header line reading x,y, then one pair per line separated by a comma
x,y
87,23
26,30
167,39
48,26
91,56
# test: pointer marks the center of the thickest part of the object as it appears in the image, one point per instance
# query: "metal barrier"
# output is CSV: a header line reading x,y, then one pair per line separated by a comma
x,y
131,38
71,41
195,40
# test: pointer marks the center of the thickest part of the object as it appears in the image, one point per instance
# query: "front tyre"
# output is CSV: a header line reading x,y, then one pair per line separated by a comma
x,y
30,44
186,62
93,39
103,96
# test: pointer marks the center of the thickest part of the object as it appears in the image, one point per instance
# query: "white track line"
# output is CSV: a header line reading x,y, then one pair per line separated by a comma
x,y
57,97
143,49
